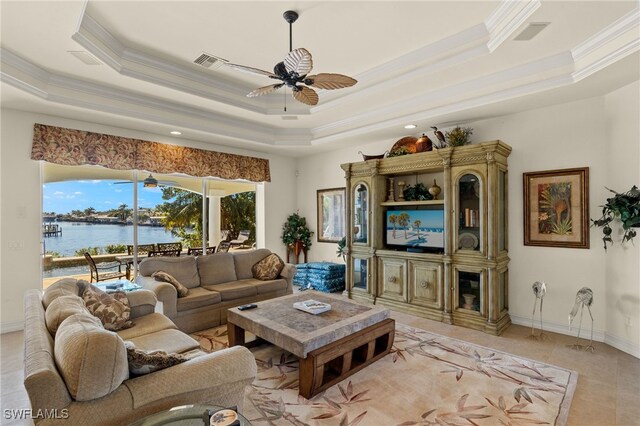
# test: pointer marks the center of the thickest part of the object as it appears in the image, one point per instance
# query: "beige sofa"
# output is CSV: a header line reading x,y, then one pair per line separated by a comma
x,y
216,282
81,373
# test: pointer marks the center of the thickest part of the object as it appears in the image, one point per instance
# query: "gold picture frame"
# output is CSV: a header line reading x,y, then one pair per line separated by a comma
x,y
331,214
556,208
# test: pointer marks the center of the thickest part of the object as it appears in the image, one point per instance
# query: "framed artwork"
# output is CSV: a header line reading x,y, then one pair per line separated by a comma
x,y
556,208
331,215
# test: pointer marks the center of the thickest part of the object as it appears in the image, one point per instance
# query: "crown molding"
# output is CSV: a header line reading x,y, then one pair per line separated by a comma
x,y
28,77
133,63
474,42
507,18
628,22
612,57
555,63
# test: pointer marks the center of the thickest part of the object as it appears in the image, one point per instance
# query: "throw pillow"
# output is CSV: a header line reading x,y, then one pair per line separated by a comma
x,y
268,268
141,362
60,309
112,310
168,278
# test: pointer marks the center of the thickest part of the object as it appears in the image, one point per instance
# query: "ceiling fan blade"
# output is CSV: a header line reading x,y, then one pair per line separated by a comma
x,y
120,183
299,61
264,90
167,182
251,70
329,81
305,95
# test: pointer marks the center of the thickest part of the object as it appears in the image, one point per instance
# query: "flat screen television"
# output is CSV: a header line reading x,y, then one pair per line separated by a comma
x,y
415,229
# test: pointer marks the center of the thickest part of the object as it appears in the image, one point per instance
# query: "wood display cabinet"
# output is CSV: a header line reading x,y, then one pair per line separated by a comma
x,y
444,259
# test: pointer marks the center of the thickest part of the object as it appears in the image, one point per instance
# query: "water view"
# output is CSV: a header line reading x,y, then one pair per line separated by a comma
x,y
77,235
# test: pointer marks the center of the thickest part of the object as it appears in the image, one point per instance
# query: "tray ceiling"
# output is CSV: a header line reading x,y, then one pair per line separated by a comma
x,y
430,63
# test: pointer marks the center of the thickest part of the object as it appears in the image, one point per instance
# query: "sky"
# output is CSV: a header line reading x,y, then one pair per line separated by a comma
x,y
62,197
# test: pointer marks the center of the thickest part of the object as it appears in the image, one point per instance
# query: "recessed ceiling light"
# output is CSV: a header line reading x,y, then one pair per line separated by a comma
x,y
175,132
410,126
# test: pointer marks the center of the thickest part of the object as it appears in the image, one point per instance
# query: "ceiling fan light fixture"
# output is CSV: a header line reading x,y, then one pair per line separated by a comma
x,y
150,182
294,73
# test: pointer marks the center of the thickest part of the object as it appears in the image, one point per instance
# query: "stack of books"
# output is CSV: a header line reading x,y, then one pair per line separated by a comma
x,y
312,306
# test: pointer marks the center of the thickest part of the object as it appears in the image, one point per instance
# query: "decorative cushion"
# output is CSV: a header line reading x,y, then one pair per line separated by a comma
x,y
91,360
141,362
62,287
168,278
244,260
216,268
60,309
111,309
268,268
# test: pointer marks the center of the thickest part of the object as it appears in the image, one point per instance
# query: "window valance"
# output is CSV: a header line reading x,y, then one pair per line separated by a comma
x,y
76,147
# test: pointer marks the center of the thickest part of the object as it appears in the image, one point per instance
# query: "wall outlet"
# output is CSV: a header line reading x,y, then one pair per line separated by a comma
x,y
627,321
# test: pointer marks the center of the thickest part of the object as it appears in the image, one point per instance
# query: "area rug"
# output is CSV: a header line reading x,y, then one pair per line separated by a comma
x,y
427,379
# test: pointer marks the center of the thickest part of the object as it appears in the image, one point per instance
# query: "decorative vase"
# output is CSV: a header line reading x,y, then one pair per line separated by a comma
x,y
468,300
435,190
391,196
424,144
401,186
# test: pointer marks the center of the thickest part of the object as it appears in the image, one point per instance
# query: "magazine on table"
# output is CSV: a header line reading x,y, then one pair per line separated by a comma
x,y
312,306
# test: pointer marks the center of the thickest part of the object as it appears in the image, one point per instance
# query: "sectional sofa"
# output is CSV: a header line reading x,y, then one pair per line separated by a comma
x,y
216,282
78,371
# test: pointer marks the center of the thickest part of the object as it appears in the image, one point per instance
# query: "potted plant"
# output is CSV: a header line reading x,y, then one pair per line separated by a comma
x,y
342,248
459,136
624,207
295,233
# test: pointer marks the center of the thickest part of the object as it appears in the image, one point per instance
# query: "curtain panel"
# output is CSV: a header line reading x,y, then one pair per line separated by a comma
x,y
72,147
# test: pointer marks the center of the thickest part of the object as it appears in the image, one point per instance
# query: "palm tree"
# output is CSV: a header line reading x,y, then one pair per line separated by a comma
x,y
403,220
89,211
416,224
123,212
393,219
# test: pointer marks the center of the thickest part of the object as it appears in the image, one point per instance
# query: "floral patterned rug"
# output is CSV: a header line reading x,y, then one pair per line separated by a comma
x,y
427,379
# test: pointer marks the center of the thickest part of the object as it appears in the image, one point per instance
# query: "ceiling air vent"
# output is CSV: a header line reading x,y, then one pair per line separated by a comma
x,y
531,30
209,61
85,57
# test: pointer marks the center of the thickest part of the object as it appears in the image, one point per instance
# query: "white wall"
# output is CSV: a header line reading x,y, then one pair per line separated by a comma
x,y
575,134
21,202
622,141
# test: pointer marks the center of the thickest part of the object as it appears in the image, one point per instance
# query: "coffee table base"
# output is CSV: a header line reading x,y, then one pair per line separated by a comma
x,y
328,365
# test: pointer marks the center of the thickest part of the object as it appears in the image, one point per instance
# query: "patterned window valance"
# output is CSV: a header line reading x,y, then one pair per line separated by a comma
x,y
72,147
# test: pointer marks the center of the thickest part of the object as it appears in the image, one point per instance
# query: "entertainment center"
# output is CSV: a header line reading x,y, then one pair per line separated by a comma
x,y
444,259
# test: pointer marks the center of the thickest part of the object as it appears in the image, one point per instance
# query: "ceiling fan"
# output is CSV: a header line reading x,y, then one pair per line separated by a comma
x,y
294,71
151,182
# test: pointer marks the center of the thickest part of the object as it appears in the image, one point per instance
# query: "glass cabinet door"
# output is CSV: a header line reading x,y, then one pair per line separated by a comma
x,y
469,291
469,218
360,273
361,214
502,210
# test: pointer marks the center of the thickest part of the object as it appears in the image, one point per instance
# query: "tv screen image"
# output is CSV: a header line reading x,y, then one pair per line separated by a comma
x,y
415,228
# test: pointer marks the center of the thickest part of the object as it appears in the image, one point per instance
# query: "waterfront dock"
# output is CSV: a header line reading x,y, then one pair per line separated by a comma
x,y
51,230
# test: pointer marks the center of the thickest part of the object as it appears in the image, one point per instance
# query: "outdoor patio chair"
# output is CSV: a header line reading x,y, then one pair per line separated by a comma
x,y
98,275
169,246
197,251
142,249
242,238
223,247
170,253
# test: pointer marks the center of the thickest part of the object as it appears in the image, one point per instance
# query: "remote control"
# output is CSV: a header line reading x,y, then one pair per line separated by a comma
x,y
249,306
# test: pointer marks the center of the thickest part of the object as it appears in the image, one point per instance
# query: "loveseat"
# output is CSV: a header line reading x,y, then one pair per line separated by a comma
x,y
79,372
216,282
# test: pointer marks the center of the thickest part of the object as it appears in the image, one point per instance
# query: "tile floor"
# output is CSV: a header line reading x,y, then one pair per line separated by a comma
x,y
608,391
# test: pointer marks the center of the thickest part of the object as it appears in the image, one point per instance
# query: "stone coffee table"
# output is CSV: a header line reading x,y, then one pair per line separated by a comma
x,y
331,346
